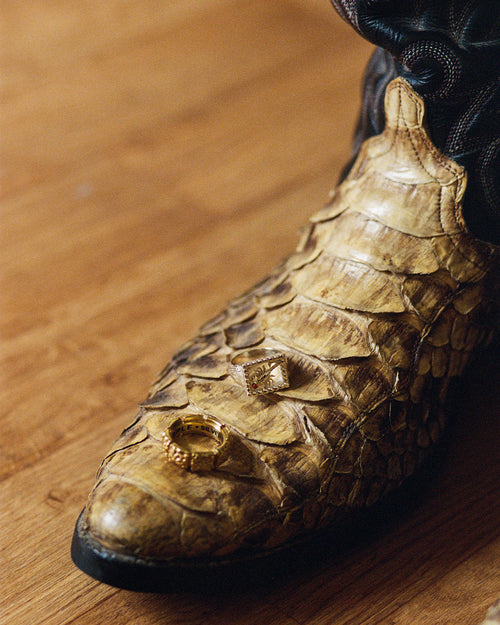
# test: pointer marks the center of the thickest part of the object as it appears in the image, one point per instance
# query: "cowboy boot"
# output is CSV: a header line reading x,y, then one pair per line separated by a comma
x,y
323,388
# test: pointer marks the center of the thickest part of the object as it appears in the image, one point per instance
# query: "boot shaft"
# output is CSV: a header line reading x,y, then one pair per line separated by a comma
x,y
449,51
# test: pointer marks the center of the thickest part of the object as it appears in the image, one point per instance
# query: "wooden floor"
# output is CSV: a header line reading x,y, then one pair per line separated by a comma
x,y
150,151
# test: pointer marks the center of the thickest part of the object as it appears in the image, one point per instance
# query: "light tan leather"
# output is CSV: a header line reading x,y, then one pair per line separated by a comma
x,y
383,303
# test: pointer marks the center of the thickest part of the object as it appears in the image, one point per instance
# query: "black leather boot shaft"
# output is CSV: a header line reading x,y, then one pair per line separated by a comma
x,y
449,51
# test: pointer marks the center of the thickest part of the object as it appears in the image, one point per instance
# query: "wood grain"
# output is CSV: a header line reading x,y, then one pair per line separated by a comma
x,y
147,150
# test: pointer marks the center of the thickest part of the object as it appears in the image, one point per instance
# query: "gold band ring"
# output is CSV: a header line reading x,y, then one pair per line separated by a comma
x,y
260,371
198,425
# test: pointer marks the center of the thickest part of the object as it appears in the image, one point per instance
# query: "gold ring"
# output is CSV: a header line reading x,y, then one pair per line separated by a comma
x,y
260,371
203,460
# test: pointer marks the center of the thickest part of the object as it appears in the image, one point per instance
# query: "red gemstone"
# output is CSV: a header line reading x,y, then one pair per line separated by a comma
x,y
254,385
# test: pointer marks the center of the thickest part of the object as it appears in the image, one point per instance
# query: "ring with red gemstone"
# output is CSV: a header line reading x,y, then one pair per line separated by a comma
x,y
260,371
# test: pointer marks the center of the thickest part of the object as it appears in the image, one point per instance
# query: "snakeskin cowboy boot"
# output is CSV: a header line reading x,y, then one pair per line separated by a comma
x,y
322,389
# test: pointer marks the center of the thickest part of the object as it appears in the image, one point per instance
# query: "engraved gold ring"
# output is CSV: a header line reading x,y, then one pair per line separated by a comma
x,y
196,425
260,371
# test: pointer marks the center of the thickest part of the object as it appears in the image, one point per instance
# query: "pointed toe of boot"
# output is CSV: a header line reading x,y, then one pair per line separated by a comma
x,y
126,519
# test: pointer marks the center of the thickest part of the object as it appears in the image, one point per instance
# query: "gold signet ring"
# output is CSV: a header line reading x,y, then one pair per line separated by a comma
x,y
260,371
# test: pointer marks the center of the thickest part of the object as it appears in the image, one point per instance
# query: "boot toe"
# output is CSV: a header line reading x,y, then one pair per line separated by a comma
x,y
126,519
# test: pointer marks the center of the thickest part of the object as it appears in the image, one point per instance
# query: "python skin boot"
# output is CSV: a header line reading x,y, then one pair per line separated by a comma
x,y
322,389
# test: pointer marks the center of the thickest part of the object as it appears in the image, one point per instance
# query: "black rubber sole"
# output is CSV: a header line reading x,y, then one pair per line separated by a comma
x,y
133,573
215,575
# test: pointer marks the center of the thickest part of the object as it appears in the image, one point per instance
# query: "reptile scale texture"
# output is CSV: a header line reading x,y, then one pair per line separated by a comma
x,y
383,303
